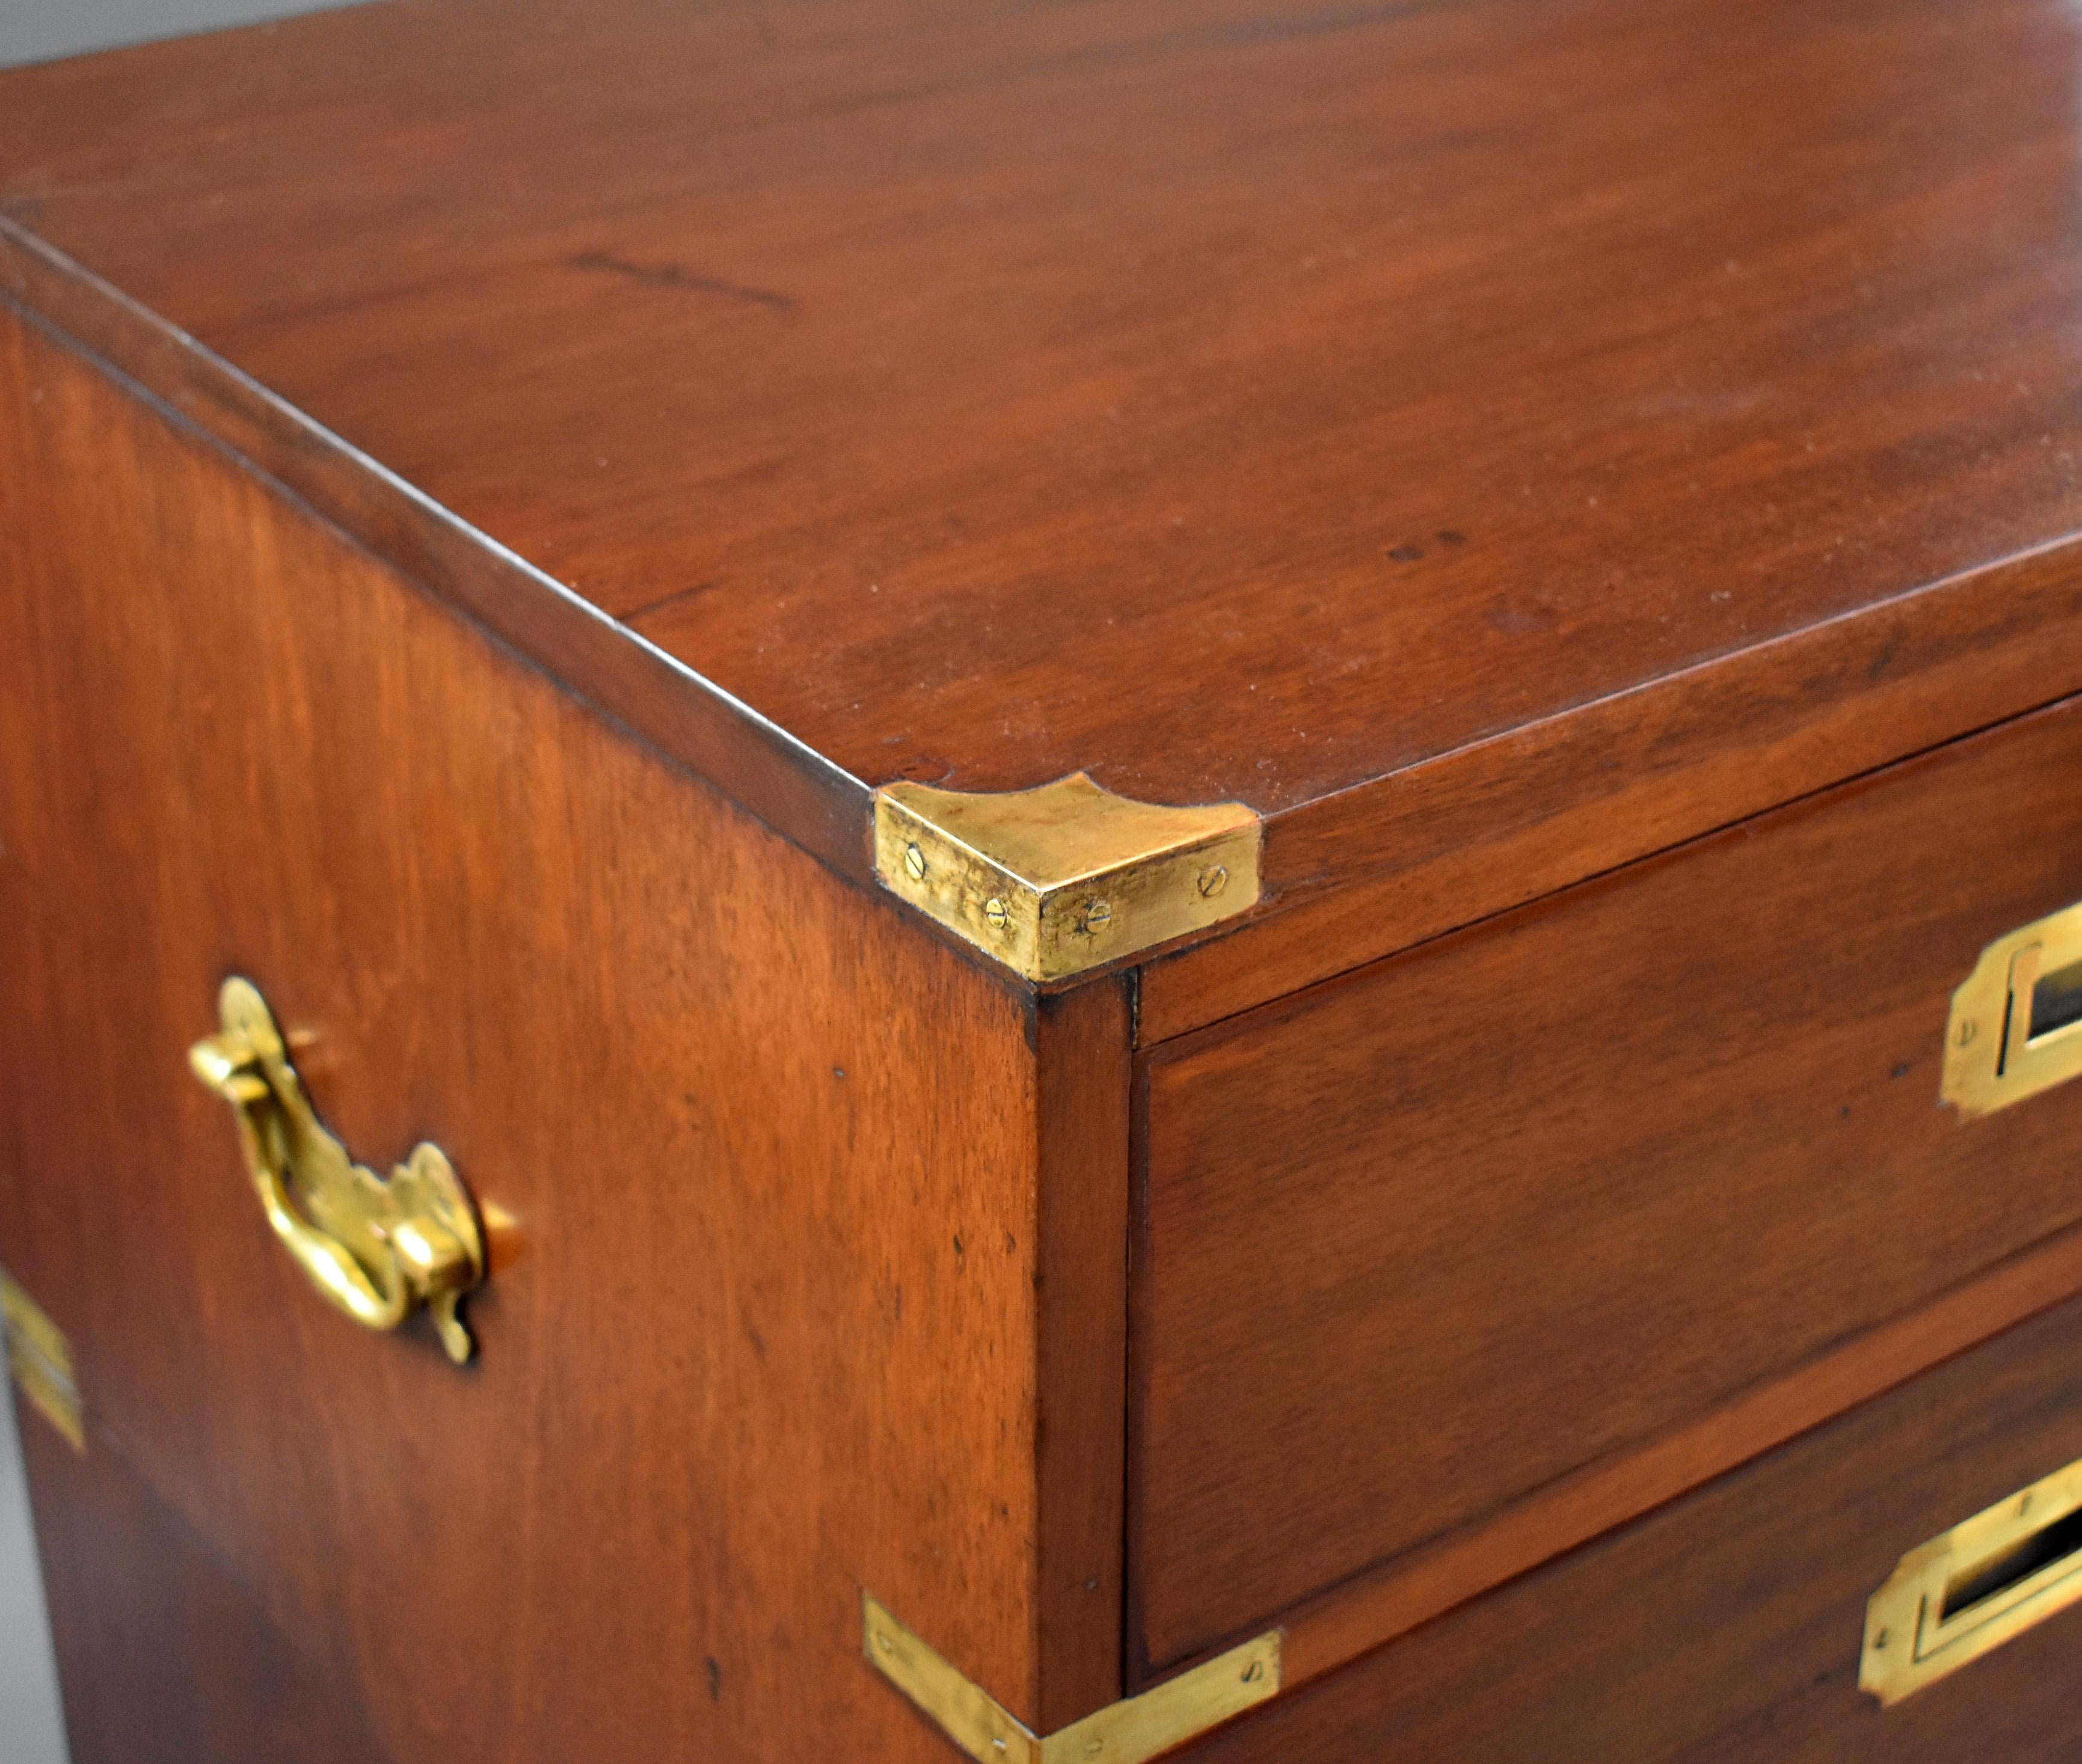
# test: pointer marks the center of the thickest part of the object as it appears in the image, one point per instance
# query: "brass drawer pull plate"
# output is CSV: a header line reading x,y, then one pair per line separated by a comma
x,y
1983,1582
378,1250
2016,1027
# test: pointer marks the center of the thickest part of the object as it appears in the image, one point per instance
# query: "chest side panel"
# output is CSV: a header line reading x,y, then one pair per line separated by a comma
x,y
757,1156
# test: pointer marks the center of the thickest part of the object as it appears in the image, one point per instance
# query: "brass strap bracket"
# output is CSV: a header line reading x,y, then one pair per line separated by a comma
x,y
1058,880
1129,1732
41,1361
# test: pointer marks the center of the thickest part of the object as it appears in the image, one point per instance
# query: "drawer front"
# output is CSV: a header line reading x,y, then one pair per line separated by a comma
x,y
1727,1628
1419,1243
752,1336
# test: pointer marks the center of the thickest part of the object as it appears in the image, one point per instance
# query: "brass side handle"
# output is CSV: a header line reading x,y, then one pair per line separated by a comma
x,y
378,1250
1982,1583
2016,1026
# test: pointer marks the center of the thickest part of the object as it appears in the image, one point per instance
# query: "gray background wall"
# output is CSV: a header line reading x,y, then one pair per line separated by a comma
x,y
31,1731
39,30
31,1728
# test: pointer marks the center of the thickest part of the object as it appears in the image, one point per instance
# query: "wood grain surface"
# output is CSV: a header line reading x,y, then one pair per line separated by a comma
x,y
1359,1615
1726,1630
169,1658
766,1329
1505,821
1083,1077
1421,1241
1498,442
1236,400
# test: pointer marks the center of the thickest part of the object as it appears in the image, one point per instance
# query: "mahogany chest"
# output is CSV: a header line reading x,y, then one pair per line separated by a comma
x,y
885,879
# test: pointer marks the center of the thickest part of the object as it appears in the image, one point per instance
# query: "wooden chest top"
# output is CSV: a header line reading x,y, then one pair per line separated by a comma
x,y
1412,421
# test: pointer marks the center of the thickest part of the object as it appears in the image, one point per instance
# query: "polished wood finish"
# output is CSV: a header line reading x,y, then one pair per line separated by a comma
x,y
1521,1202
169,1659
781,1316
684,716
1083,1077
487,492
1359,1615
1505,821
1238,400
1726,1630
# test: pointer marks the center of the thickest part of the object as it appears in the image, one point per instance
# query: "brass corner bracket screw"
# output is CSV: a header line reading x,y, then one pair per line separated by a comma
x,y
914,862
1213,880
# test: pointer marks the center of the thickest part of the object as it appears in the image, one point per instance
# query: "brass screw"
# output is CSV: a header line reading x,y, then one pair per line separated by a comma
x,y
1880,1641
881,1640
1093,1748
1213,880
1098,913
1253,1672
995,911
1967,1031
914,863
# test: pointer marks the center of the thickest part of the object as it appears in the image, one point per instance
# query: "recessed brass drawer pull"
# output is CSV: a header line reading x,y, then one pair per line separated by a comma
x,y
376,1250
1986,1579
2016,1027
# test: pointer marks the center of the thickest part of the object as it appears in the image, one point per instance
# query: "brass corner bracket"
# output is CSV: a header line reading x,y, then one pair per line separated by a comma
x,y
1129,1732
40,1359
1058,880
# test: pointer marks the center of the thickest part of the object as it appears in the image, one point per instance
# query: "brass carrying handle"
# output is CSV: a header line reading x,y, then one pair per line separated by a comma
x,y
376,1250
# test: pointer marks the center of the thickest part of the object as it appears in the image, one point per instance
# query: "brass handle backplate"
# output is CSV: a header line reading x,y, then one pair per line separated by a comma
x,y
378,1250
